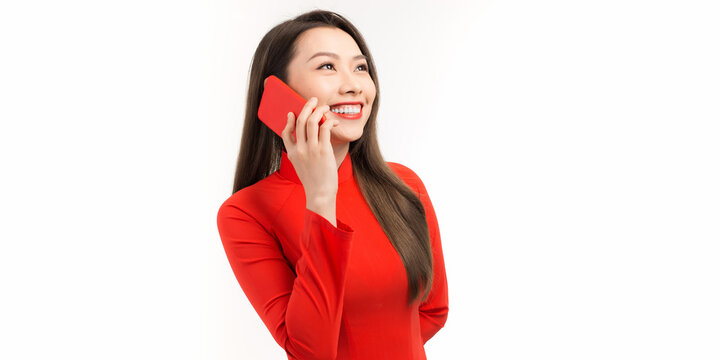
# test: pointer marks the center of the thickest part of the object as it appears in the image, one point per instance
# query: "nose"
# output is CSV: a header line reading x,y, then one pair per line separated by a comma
x,y
350,83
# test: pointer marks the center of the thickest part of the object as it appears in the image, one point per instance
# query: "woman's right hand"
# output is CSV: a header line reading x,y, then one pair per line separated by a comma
x,y
312,155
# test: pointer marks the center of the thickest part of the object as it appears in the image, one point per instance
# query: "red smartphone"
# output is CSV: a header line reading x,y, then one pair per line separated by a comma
x,y
277,100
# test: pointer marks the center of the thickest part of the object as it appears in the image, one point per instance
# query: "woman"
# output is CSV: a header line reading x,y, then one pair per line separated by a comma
x,y
337,250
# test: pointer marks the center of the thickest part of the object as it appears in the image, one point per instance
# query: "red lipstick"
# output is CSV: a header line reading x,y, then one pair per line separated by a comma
x,y
349,116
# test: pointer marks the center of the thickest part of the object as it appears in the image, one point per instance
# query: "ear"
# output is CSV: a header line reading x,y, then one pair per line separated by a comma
x,y
265,82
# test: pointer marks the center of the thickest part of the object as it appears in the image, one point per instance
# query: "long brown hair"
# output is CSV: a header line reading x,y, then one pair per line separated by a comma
x,y
397,208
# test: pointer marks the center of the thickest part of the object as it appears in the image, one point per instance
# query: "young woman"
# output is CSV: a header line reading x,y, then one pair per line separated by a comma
x,y
337,250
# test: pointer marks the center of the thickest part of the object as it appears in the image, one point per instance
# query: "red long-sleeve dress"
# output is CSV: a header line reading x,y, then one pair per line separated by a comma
x,y
324,291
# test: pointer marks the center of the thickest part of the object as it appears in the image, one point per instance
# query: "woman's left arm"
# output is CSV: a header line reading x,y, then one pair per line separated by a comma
x,y
434,311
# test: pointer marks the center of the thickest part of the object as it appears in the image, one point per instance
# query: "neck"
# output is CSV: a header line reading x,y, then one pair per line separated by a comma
x,y
340,151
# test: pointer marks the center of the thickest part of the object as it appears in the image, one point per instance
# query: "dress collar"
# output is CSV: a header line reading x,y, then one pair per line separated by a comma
x,y
287,170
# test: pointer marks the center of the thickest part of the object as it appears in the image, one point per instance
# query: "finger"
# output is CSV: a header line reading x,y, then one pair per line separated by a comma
x,y
312,124
302,119
325,129
288,131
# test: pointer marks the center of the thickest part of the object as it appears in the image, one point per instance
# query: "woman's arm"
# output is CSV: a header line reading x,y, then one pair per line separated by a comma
x,y
303,312
434,311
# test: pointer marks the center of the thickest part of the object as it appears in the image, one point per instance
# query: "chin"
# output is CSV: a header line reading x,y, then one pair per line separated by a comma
x,y
341,139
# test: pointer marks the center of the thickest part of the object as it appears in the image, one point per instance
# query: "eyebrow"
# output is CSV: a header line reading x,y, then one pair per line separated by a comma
x,y
325,53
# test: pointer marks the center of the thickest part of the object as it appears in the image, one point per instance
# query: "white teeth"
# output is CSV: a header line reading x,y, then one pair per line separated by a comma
x,y
345,112
346,109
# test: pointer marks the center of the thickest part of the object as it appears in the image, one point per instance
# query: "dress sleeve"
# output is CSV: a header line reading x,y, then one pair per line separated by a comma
x,y
303,312
434,311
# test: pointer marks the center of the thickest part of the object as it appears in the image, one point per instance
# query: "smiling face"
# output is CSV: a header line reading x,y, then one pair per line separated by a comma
x,y
331,79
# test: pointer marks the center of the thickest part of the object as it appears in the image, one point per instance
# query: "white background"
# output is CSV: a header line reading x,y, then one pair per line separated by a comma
x,y
571,150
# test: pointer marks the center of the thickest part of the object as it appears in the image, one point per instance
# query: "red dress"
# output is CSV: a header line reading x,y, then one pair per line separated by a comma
x,y
328,292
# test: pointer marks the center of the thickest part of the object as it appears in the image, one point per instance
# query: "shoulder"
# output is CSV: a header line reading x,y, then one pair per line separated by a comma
x,y
405,173
247,195
402,171
261,200
400,168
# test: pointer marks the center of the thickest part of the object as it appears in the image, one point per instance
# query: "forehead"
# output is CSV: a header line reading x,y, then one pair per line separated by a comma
x,y
326,39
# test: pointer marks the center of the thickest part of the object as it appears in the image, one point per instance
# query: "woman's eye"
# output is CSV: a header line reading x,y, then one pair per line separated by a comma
x,y
323,65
